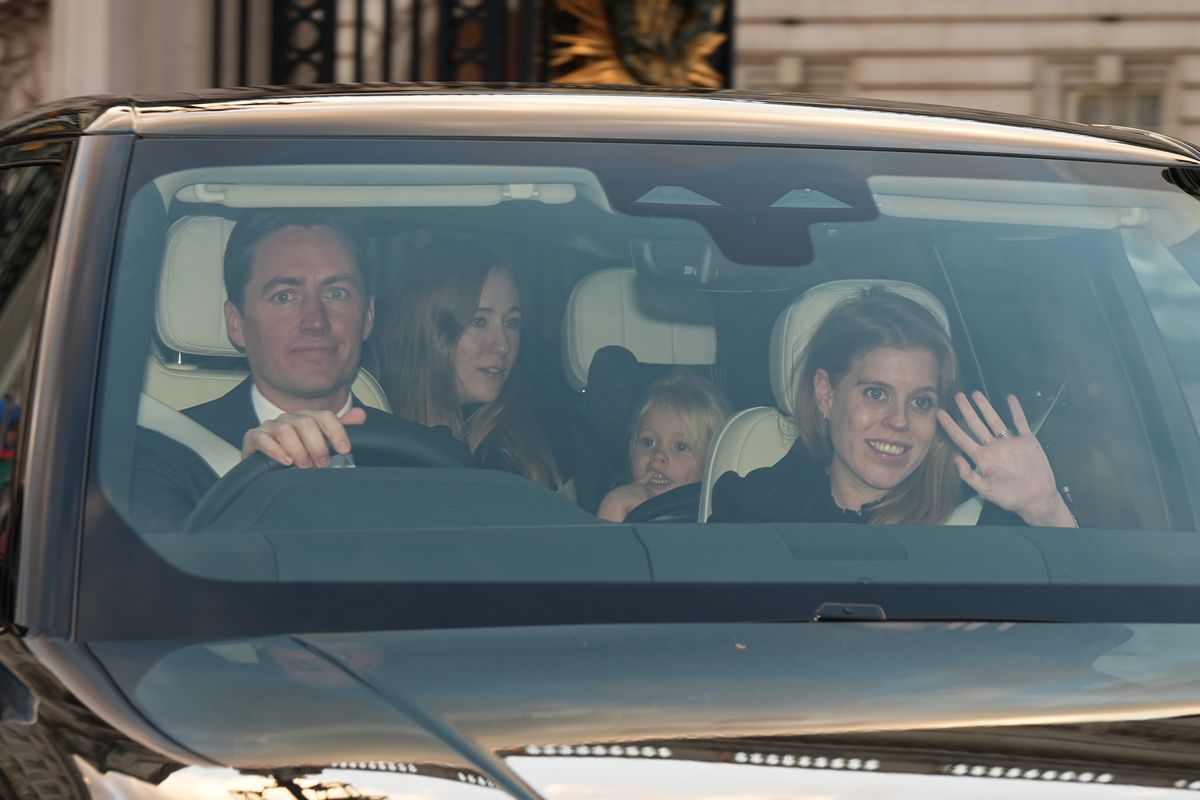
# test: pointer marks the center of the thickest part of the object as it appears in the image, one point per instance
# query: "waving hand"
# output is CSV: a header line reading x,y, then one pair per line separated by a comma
x,y
1010,467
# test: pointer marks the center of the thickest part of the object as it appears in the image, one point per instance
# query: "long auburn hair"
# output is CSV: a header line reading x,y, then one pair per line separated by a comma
x,y
874,318
416,334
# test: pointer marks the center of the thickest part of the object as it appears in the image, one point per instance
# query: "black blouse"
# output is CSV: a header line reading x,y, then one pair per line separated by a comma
x,y
797,489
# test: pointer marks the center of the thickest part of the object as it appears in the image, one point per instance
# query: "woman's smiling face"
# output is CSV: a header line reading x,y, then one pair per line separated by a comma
x,y
882,419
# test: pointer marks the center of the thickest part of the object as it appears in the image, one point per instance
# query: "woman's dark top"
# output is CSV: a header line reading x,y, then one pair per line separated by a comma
x,y
569,438
797,489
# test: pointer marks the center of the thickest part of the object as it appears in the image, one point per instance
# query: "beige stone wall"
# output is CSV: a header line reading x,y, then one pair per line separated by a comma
x,y
125,46
1120,61
24,58
83,47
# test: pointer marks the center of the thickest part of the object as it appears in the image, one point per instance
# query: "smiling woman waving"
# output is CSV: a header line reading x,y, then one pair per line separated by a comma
x,y
875,441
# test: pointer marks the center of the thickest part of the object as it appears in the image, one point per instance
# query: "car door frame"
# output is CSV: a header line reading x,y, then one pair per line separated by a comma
x,y
23,152
60,387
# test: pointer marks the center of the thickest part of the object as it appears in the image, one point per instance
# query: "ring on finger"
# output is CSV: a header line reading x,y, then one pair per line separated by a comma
x,y
1002,435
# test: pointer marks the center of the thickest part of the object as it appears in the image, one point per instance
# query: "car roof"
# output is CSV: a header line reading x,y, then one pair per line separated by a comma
x,y
594,113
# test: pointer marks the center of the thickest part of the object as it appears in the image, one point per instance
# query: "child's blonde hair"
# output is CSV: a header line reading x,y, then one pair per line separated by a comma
x,y
699,406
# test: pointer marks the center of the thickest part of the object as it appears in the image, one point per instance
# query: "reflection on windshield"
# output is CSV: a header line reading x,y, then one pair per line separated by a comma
x,y
622,771
640,780
378,782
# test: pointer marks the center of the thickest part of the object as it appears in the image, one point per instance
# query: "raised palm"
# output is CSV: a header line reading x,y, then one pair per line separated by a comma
x,y
1007,467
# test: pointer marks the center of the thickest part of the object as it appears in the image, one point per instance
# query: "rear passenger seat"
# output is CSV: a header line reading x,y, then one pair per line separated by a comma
x,y
622,331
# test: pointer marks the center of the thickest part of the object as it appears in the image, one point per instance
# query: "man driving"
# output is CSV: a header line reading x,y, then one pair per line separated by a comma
x,y
299,307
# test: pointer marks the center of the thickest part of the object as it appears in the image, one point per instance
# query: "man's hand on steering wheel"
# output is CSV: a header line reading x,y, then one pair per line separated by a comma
x,y
387,441
302,439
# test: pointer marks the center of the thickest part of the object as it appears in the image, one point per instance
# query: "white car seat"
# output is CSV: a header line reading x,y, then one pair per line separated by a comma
x,y
658,324
759,437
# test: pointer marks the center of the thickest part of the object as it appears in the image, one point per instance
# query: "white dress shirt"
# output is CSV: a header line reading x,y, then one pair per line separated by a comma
x,y
267,411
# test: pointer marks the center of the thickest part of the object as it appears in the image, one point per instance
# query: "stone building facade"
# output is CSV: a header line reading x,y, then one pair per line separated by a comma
x,y
1131,62
62,48
1125,62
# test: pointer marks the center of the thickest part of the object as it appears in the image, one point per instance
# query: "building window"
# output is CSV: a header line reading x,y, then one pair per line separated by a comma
x,y
1133,108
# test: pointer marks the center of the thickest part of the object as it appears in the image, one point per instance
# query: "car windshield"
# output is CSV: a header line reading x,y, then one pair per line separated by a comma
x,y
567,353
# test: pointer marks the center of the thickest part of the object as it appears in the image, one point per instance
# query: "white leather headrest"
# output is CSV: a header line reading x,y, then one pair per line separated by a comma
x,y
658,324
799,321
191,293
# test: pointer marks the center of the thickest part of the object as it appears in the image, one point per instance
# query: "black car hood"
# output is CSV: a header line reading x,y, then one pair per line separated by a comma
x,y
920,697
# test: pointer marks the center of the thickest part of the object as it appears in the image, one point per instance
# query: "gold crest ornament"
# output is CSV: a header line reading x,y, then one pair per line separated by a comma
x,y
648,42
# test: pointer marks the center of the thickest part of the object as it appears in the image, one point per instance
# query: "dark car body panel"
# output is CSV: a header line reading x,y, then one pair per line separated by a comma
x,y
655,667
919,697
640,682
630,113
63,386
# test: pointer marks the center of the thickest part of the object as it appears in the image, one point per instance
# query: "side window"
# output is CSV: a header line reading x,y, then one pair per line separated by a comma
x,y
1173,294
28,198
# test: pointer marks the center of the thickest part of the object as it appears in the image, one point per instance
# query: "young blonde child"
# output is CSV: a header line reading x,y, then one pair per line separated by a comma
x,y
668,440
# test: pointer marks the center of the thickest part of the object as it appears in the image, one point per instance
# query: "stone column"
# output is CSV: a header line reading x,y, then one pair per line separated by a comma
x,y
23,54
128,46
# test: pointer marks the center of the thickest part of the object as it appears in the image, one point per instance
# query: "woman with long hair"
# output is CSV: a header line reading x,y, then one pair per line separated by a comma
x,y
446,345
876,443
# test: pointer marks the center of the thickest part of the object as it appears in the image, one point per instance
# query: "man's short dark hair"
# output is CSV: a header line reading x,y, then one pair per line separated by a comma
x,y
254,227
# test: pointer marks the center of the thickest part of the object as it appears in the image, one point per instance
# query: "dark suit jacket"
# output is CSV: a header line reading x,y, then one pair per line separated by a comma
x,y
231,414
169,479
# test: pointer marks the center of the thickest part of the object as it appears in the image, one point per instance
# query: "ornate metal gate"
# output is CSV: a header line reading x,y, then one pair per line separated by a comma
x,y
332,41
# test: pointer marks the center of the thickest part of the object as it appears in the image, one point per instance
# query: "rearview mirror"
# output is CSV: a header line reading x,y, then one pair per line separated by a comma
x,y
679,260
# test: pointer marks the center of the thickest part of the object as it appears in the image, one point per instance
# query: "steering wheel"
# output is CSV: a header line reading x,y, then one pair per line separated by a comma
x,y
373,445
681,504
